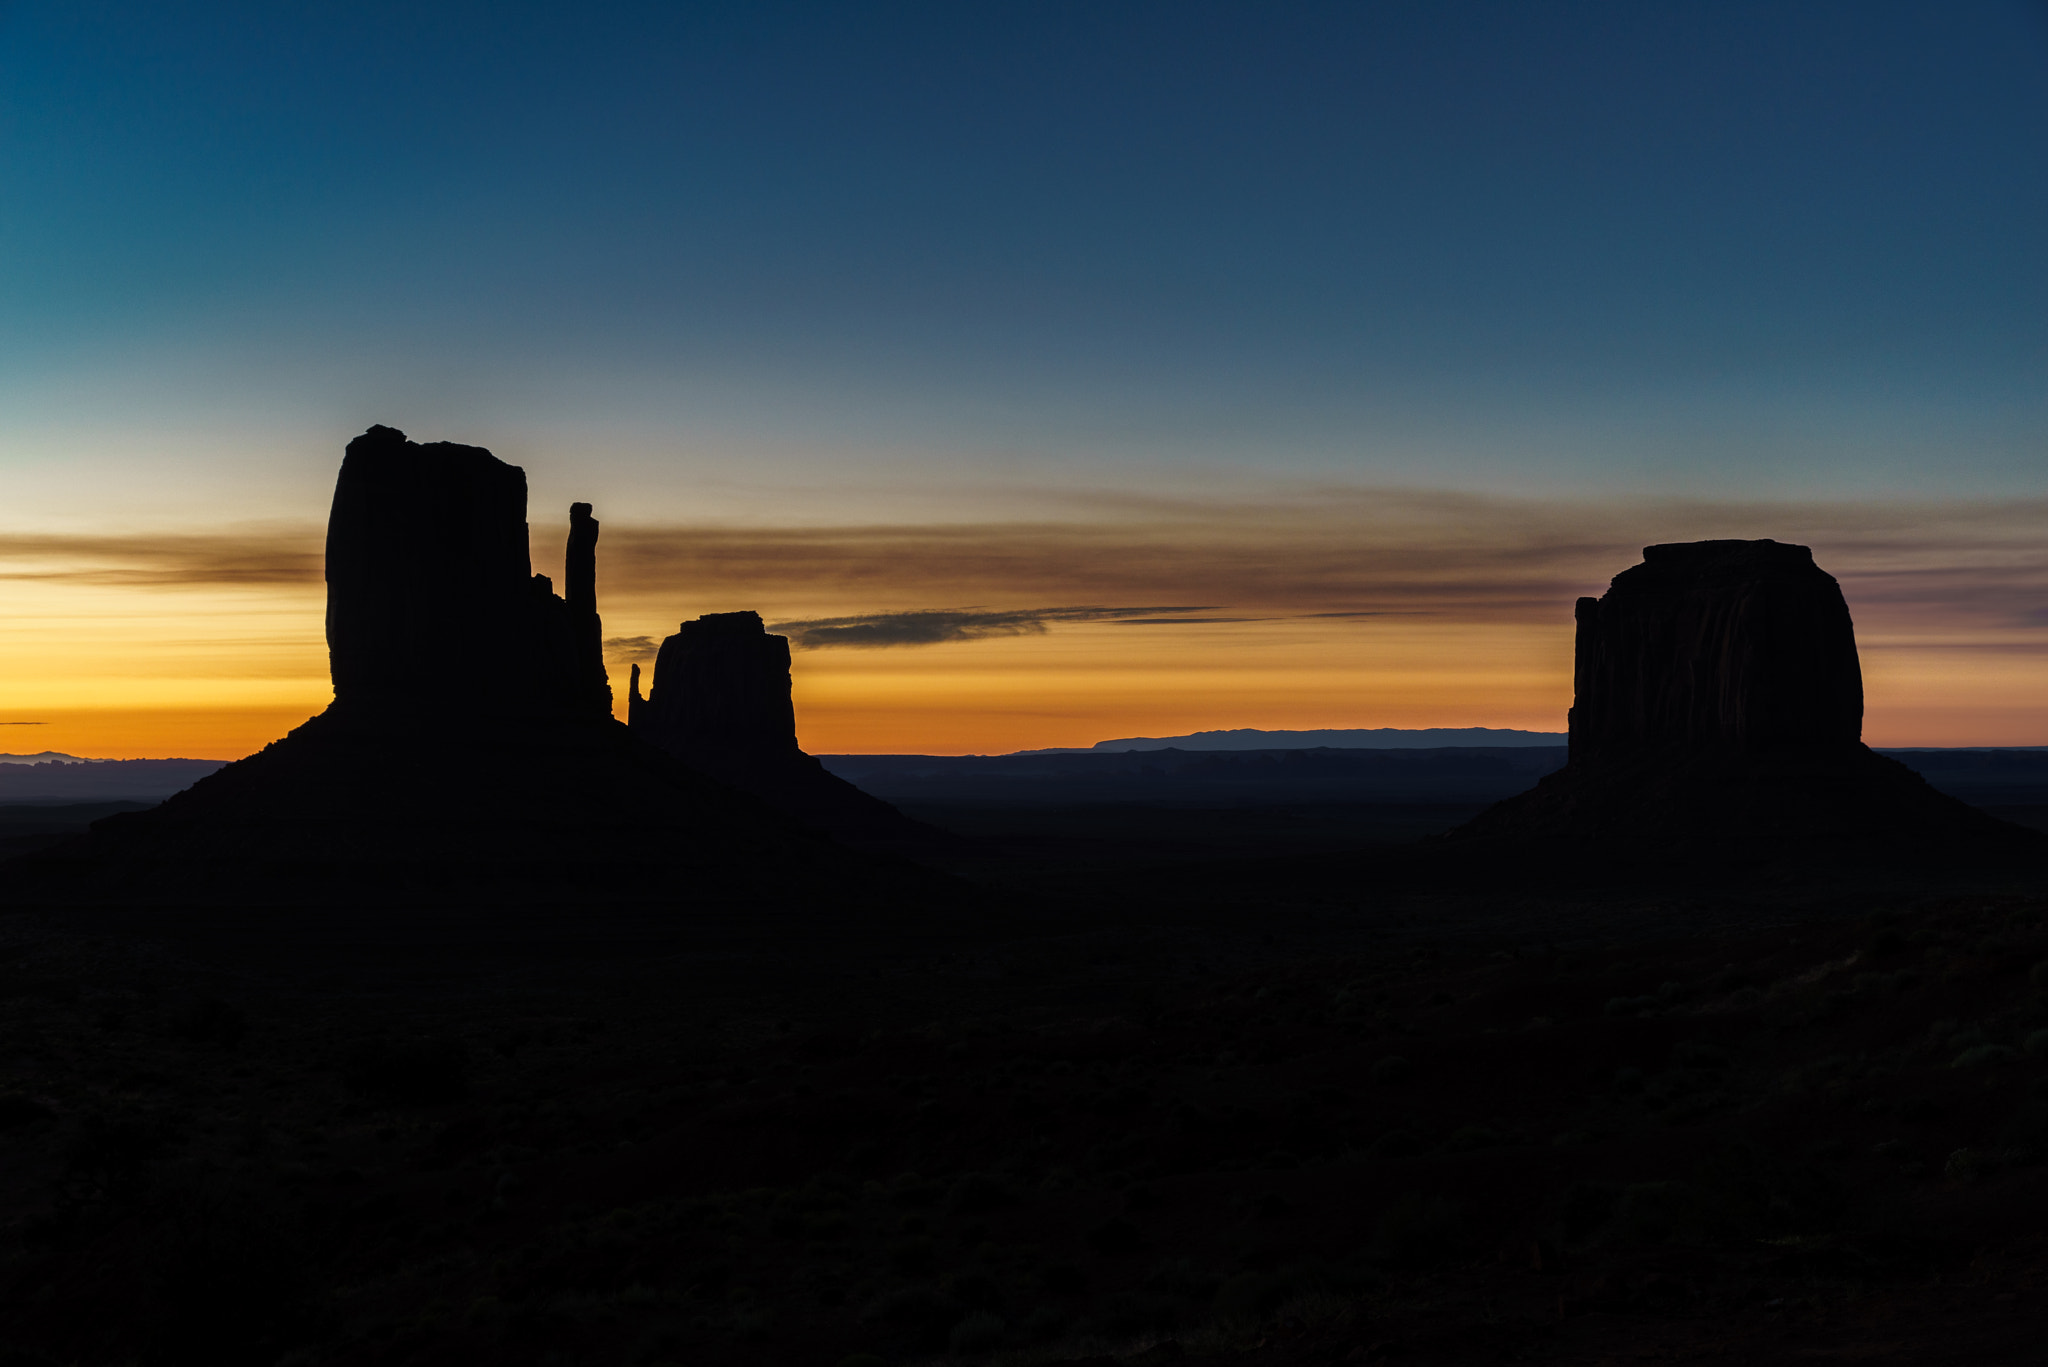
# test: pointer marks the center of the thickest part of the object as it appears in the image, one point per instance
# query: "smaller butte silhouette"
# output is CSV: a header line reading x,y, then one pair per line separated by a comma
x,y
1719,715
720,702
521,787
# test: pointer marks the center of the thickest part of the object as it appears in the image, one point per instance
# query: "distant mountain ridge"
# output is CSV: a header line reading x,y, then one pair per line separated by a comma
x,y
1380,738
45,757
94,780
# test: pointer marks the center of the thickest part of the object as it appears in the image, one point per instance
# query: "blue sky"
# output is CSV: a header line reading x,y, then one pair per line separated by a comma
x,y
1720,249
1383,329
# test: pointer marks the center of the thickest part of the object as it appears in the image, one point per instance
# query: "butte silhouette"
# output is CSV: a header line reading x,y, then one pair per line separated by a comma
x,y
1719,716
519,786
720,702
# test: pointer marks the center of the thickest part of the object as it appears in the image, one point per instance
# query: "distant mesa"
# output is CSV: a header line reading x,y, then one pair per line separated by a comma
x,y
1719,711
34,779
518,787
1373,738
720,702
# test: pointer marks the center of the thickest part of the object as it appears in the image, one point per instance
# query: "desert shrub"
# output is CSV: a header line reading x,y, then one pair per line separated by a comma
x,y
975,1291
1255,1295
914,1256
109,1155
1270,1205
864,1360
1398,1142
210,1021
1134,1312
1967,1165
1041,1325
1392,1070
17,1110
1696,1054
1473,1137
1652,1212
980,1191
1180,1278
1116,1236
1585,1209
1062,1279
1420,1229
917,1317
2036,1044
418,1072
978,1333
1982,1054
227,1284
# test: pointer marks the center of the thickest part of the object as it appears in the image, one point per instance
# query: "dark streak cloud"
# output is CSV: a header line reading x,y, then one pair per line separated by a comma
x,y
630,647
1351,554
932,626
1334,554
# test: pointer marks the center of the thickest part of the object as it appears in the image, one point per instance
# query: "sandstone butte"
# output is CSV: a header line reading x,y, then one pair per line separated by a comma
x,y
521,787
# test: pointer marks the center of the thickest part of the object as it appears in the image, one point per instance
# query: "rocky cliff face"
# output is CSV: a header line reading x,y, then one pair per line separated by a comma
x,y
524,790
1724,647
427,562
1717,720
721,704
721,698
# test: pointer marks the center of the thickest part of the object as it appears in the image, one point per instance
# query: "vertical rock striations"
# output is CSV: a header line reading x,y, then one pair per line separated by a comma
x,y
1718,716
720,702
1717,647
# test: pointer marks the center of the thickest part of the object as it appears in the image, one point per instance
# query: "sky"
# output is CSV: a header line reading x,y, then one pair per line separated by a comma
x,y
1048,372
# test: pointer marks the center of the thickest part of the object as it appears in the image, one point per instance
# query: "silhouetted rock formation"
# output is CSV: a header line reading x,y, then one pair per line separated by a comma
x,y
527,790
721,704
1717,647
1719,715
427,561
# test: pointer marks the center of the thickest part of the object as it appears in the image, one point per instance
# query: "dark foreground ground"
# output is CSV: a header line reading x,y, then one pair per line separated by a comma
x,y
1098,1111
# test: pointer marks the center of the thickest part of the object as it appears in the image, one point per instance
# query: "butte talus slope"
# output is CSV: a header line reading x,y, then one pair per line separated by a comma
x,y
518,787
1719,715
720,702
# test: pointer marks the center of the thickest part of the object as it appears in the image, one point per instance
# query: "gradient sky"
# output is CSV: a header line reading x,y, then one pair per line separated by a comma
x,y
1377,332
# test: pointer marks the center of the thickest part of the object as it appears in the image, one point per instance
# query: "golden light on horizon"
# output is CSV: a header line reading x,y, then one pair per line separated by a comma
x,y
1339,614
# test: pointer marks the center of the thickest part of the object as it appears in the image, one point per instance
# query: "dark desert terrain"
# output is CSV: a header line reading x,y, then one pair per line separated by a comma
x,y
1724,1042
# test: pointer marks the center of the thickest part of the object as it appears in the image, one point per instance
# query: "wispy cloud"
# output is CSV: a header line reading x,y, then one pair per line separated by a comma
x,y
231,556
1332,554
932,626
630,647
1342,555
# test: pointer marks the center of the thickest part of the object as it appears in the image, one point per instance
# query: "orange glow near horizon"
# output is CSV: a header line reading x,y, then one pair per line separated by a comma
x,y
1071,687
212,644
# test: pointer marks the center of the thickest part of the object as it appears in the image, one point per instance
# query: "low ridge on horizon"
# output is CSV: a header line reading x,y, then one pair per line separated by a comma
x,y
1340,738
